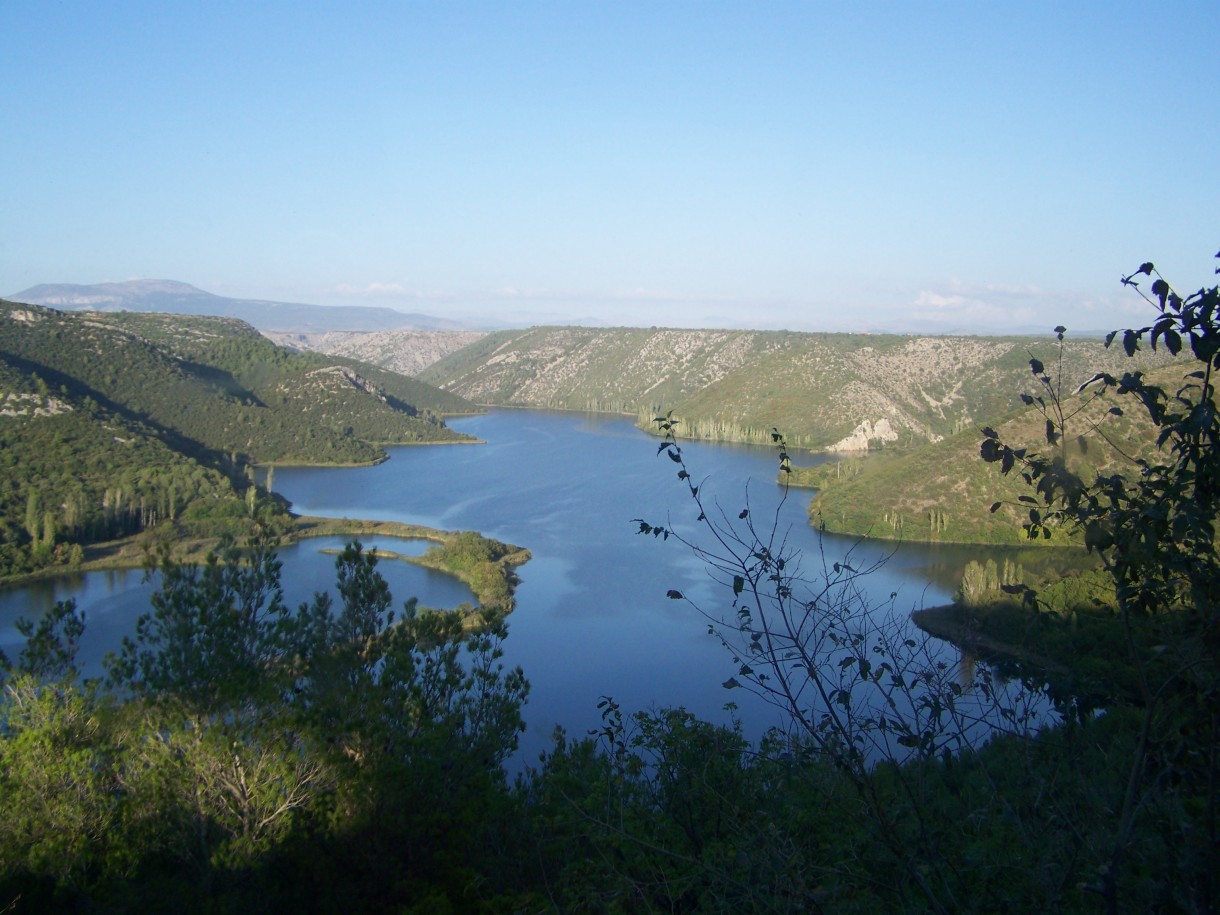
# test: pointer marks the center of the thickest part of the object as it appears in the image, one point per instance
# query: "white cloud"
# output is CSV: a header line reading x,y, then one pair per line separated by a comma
x,y
371,290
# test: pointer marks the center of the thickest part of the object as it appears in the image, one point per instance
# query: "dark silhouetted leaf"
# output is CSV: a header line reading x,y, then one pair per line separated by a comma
x,y
1130,342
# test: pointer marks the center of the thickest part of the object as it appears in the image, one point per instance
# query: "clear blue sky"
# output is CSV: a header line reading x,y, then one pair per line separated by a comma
x,y
977,165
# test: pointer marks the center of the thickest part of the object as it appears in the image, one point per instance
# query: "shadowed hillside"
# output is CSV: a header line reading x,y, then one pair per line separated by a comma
x,y
112,424
216,384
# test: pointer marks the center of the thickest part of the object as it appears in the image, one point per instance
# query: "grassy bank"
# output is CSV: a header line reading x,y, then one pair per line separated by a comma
x,y
487,566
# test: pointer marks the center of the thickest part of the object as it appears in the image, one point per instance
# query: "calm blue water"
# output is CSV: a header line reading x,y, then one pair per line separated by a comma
x,y
592,615
112,600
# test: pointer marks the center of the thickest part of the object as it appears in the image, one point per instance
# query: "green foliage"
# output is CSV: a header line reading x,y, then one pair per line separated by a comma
x,y
1152,524
63,791
51,644
315,757
661,812
73,473
113,424
668,813
213,632
485,565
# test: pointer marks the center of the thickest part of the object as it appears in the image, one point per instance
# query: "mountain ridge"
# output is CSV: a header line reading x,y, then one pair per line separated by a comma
x,y
824,392
173,296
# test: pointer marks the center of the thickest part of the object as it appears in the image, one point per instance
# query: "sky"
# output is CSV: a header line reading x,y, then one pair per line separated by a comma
x,y
949,166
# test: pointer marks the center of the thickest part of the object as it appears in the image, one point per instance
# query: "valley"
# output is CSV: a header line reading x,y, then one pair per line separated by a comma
x,y
162,431
841,393
902,413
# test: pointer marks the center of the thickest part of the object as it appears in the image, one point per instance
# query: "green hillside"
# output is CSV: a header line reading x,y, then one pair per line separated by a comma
x,y
943,491
74,472
836,392
215,384
111,424
246,354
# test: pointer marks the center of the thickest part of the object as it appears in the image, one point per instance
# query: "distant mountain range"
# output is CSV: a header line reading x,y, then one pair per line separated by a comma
x,y
182,298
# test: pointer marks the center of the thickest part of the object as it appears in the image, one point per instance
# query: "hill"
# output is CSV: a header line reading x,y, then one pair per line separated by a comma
x,y
114,423
826,392
254,360
216,384
181,298
407,352
942,492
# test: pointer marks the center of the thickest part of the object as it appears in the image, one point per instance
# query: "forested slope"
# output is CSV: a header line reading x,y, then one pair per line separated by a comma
x,y
73,472
255,362
217,384
113,423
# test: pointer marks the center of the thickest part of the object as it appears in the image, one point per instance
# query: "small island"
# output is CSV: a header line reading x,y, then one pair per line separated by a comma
x,y
487,566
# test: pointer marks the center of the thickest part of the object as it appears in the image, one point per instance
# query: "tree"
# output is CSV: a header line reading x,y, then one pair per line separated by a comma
x,y
859,687
340,748
216,632
1154,529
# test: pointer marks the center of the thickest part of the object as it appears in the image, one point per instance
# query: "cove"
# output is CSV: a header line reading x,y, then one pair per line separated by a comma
x,y
592,616
115,598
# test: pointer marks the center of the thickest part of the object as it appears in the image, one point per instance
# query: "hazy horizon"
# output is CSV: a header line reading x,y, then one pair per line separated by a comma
x,y
521,319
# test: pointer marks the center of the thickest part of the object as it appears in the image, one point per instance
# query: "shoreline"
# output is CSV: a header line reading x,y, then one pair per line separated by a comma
x,y
953,623
468,440
139,550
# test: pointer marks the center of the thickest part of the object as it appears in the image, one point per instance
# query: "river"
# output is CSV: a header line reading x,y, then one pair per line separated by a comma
x,y
592,616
